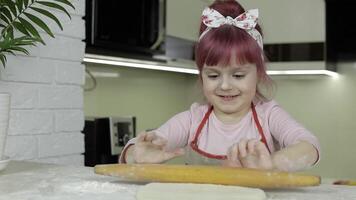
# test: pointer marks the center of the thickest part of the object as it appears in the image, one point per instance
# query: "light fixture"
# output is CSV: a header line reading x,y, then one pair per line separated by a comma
x,y
105,74
303,72
126,62
184,67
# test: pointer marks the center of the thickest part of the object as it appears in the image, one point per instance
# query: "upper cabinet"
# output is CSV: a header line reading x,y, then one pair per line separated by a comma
x,y
183,18
298,34
282,21
290,21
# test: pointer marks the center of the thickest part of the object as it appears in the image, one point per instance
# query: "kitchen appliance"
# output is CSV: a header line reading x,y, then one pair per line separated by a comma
x,y
105,138
132,28
140,37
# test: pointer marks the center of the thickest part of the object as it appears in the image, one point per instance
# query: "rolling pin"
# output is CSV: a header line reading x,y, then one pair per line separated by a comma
x,y
206,174
345,182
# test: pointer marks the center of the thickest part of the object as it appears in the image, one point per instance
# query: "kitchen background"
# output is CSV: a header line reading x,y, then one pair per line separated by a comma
x,y
49,104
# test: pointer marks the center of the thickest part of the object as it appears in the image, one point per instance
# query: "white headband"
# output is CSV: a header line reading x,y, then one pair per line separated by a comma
x,y
247,21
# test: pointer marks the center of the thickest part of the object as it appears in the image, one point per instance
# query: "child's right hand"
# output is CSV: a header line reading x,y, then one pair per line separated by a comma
x,y
150,148
249,153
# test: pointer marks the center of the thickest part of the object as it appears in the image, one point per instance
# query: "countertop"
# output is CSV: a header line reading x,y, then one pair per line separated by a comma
x,y
23,180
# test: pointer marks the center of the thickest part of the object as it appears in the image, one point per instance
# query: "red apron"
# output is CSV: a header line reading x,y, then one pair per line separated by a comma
x,y
194,155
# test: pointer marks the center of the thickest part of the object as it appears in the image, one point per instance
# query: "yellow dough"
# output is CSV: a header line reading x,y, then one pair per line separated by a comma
x,y
188,191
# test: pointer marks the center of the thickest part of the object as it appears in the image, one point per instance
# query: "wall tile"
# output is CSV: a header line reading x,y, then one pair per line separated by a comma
x,y
31,122
60,144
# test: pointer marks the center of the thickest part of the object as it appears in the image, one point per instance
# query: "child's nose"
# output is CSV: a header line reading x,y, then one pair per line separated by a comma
x,y
225,84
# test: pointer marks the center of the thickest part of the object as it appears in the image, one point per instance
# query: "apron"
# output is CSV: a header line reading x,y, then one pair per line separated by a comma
x,y
195,156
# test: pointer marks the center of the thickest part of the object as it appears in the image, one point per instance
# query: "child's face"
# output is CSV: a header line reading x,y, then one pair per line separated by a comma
x,y
230,89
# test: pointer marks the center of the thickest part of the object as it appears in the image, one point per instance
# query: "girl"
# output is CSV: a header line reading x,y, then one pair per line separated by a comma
x,y
239,126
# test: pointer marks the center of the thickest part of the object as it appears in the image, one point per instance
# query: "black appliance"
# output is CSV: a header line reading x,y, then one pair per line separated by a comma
x,y
340,30
125,28
105,138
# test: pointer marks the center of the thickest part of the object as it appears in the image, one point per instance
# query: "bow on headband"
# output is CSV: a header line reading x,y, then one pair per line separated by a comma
x,y
247,21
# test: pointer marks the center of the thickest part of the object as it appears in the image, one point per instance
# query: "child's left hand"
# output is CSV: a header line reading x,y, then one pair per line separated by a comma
x,y
252,154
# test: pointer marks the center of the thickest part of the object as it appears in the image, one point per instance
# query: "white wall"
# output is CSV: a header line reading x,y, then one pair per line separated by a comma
x,y
327,107
46,116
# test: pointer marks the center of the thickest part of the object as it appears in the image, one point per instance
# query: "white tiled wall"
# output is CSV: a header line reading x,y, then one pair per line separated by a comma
x,y
47,116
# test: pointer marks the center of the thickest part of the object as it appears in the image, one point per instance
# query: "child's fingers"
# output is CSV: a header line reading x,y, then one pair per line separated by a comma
x,y
233,153
179,152
232,157
141,137
170,155
152,138
242,148
159,141
262,149
149,137
251,146
155,140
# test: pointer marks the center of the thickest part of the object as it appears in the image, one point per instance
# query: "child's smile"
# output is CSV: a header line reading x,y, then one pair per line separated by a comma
x,y
230,89
228,98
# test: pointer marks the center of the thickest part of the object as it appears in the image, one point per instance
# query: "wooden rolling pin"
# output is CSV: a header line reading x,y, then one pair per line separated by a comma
x,y
206,174
345,182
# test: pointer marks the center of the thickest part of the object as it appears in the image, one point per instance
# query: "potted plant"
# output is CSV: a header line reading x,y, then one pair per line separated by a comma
x,y
20,22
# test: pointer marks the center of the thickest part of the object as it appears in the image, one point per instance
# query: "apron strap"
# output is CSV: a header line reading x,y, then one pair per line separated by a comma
x,y
259,127
194,143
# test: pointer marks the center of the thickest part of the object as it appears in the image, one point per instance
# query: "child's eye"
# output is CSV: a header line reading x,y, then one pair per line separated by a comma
x,y
239,75
213,76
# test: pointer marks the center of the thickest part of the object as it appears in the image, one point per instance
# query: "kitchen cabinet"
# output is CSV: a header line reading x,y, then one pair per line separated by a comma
x,y
294,31
294,35
290,21
183,18
283,21
23,180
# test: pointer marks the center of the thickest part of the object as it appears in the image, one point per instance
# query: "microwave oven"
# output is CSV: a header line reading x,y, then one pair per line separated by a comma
x,y
124,28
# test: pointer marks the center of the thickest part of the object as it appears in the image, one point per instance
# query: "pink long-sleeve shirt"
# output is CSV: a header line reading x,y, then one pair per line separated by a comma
x,y
279,128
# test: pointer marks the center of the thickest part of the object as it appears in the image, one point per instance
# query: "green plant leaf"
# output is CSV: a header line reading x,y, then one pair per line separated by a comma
x,y
19,49
31,29
67,3
4,18
21,28
19,4
25,3
40,23
9,51
6,12
12,18
7,36
25,43
12,6
48,14
10,32
4,44
25,39
54,5
3,59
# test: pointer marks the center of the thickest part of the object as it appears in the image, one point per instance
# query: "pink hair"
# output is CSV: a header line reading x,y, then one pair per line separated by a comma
x,y
218,44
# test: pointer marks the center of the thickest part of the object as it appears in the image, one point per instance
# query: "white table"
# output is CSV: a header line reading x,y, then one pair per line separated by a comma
x,y
34,181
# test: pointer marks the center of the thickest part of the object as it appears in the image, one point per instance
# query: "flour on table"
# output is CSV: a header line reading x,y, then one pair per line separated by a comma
x,y
185,191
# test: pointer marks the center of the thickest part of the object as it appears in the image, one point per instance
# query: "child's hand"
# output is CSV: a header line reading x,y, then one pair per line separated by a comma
x,y
150,148
232,157
252,154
